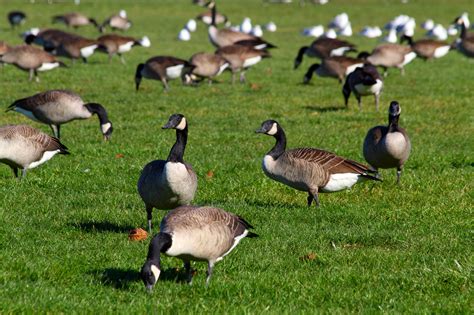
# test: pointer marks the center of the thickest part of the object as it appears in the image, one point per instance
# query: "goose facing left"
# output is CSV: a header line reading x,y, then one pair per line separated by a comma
x,y
309,169
194,233
57,107
166,184
363,81
24,147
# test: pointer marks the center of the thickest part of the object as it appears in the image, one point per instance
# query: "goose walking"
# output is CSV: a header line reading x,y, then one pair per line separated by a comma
x,y
309,169
390,55
74,19
57,107
388,146
117,44
324,47
194,234
23,147
166,184
363,81
162,68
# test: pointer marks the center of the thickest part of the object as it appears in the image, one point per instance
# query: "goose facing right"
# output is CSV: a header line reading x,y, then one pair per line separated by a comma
x,y
24,147
309,169
207,65
16,18
388,146
194,233
166,184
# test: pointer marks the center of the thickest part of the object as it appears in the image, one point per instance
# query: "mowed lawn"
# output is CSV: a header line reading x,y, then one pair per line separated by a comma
x,y
376,248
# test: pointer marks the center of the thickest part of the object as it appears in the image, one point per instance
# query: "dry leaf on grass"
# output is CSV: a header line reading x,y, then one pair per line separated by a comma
x,y
137,234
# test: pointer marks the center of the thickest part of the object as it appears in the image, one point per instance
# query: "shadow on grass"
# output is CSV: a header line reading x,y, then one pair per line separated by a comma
x,y
320,109
103,226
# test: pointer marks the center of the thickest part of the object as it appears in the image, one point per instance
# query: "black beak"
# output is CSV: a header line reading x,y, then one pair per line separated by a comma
x,y
169,125
260,130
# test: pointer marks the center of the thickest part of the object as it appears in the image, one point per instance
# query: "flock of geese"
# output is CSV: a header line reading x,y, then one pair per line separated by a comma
x,y
199,232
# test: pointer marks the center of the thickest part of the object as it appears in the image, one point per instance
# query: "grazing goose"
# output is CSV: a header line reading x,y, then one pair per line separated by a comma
x,y
465,42
363,81
162,68
24,147
117,22
334,67
324,47
116,44
74,20
57,107
49,39
308,169
194,233
241,58
206,65
388,146
226,37
390,55
166,184
32,59
16,18
77,47
427,48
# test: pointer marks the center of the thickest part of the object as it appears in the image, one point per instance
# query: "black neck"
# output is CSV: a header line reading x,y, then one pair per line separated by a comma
x,y
177,151
213,15
98,109
280,145
160,243
463,31
409,39
311,70
393,123
301,52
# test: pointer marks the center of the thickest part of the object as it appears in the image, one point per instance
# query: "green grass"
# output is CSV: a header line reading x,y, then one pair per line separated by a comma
x,y
378,247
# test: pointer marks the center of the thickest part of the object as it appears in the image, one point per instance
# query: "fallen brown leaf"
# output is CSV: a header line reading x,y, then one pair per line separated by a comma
x,y
119,155
137,234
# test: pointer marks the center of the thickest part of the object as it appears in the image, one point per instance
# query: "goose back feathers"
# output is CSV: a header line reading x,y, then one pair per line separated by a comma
x,y
162,68
334,67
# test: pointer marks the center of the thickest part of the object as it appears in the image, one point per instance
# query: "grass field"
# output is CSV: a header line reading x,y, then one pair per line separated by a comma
x,y
375,248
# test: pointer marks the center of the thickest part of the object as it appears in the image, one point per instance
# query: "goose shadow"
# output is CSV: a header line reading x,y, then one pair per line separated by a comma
x,y
101,226
320,109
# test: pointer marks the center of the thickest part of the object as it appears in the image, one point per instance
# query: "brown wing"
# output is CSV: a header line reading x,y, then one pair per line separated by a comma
x,y
33,102
37,138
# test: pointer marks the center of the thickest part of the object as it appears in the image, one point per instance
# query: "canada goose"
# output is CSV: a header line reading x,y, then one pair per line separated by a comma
x,y
24,147
363,81
116,44
4,47
388,146
324,47
117,22
390,55
206,65
226,37
49,39
77,47
166,184
427,48
308,169
162,68
57,107
74,19
16,18
335,67
465,42
32,59
194,233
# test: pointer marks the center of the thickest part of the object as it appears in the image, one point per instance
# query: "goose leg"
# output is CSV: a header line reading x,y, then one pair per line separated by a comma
x,y
121,58
15,171
32,71
23,173
402,71
84,60
233,77
110,58
36,76
56,131
149,212
313,195
210,267
377,99
399,174
167,88
210,82
242,77
359,100
187,266
385,73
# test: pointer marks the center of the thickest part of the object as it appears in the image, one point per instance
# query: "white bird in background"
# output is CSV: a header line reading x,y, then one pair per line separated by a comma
x,y
438,32
408,28
391,36
465,19
191,25
123,14
428,25
340,21
257,31
330,33
314,31
452,30
184,35
397,22
271,27
246,26
346,31
371,32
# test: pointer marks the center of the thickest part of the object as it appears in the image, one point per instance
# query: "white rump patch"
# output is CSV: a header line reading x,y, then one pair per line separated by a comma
x,y
156,272
46,157
251,61
409,57
125,47
441,51
339,51
237,239
182,124
26,113
340,181
145,41
222,68
351,68
48,66
105,127
88,51
260,47
273,130
174,71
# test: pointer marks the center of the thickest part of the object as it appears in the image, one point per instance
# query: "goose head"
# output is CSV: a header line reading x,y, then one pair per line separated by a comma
x,y
150,273
176,121
269,127
394,109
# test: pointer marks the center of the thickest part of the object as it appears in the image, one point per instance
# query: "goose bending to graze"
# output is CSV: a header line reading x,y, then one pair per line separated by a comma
x,y
117,22
324,47
57,107
388,146
162,68
194,233
241,58
16,18
390,55
334,67
116,44
74,19
465,42
31,59
166,184
308,169
363,81
49,39
24,147
206,65
77,47
427,48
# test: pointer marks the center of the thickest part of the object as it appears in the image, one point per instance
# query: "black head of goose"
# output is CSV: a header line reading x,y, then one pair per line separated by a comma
x,y
309,169
324,47
24,147
194,234
363,81
162,68
49,39
57,107
465,42
16,18
427,48
389,55
388,146
166,184
334,67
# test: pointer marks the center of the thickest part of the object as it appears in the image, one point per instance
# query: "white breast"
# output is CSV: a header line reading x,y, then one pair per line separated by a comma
x,y
48,155
48,66
409,57
174,72
340,181
441,51
88,51
125,47
251,61
339,51
179,180
395,144
369,89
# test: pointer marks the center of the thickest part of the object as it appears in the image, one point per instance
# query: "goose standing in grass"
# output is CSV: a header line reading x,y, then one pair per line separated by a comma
x,y
162,68
390,55
241,58
308,169
31,59
465,42
194,233
23,147
166,184
74,19
427,48
363,81
206,65
16,18
117,44
334,67
388,146
206,18
57,107
324,47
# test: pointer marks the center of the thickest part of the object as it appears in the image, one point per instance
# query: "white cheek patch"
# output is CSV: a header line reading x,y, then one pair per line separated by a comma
x,y
48,66
88,51
105,127
273,130
156,272
46,156
182,124
174,72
